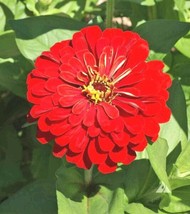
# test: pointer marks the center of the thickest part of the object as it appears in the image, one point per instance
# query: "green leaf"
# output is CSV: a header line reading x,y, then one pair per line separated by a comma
x,y
43,163
164,33
38,197
11,155
136,208
8,45
3,20
9,4
13,78
74,196
37,34
157,153
183,161
178,121
181,71
97,204
140,181
178,202
179,182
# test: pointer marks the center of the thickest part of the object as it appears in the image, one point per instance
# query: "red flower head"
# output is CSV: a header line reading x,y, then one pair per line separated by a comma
x,y
98,97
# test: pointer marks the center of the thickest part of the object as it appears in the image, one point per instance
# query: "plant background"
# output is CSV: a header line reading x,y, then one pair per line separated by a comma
x,y
31,179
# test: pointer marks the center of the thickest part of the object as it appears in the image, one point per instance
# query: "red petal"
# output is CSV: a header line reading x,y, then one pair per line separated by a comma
x,y
138,53
139,145
45,106
105,143
48,67
151,127
110,110
164,115
58,114
59,151
123,155
121,138
89,60
134,124
43,124
93,131
80,159
89,117
79,141
96,156
105,60
79,42
100,45
110,33
104,122
92,34
75,119
80,107
70,77
67,137
66,53
44,137
107,167
52,83
60,128
125,106
39,90
66,89
67,101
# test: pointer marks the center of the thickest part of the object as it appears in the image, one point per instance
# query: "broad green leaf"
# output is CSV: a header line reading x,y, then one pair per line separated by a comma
x,y
181,71
11,155
135,208
99,203
183,45
37,34
32,48
164,33
37,197
140,181
183,161
178,202
43,163
179,182
157,153
10,4
178,121
74,196
13,78
8,47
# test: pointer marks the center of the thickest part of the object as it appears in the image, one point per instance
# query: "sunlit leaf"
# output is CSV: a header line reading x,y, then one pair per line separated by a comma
x,y
157,153
37,34
178,202
164,33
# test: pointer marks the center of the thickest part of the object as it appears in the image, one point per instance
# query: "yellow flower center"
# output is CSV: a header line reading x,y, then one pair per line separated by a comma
x,y
99,89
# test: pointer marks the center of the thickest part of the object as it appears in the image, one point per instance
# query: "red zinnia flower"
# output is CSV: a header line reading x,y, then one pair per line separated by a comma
x,y
98,98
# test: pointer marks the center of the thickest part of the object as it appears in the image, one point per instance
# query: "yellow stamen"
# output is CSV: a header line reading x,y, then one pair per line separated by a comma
x,y
99,89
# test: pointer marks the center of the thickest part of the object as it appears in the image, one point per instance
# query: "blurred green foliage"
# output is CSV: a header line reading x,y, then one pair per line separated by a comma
x,y
160,184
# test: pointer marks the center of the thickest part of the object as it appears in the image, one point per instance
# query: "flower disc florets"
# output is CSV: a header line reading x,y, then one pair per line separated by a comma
x,y
98,98
99,89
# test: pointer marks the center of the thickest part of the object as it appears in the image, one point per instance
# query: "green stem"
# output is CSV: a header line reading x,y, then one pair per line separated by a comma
x,y
88,176
109,12
152,12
